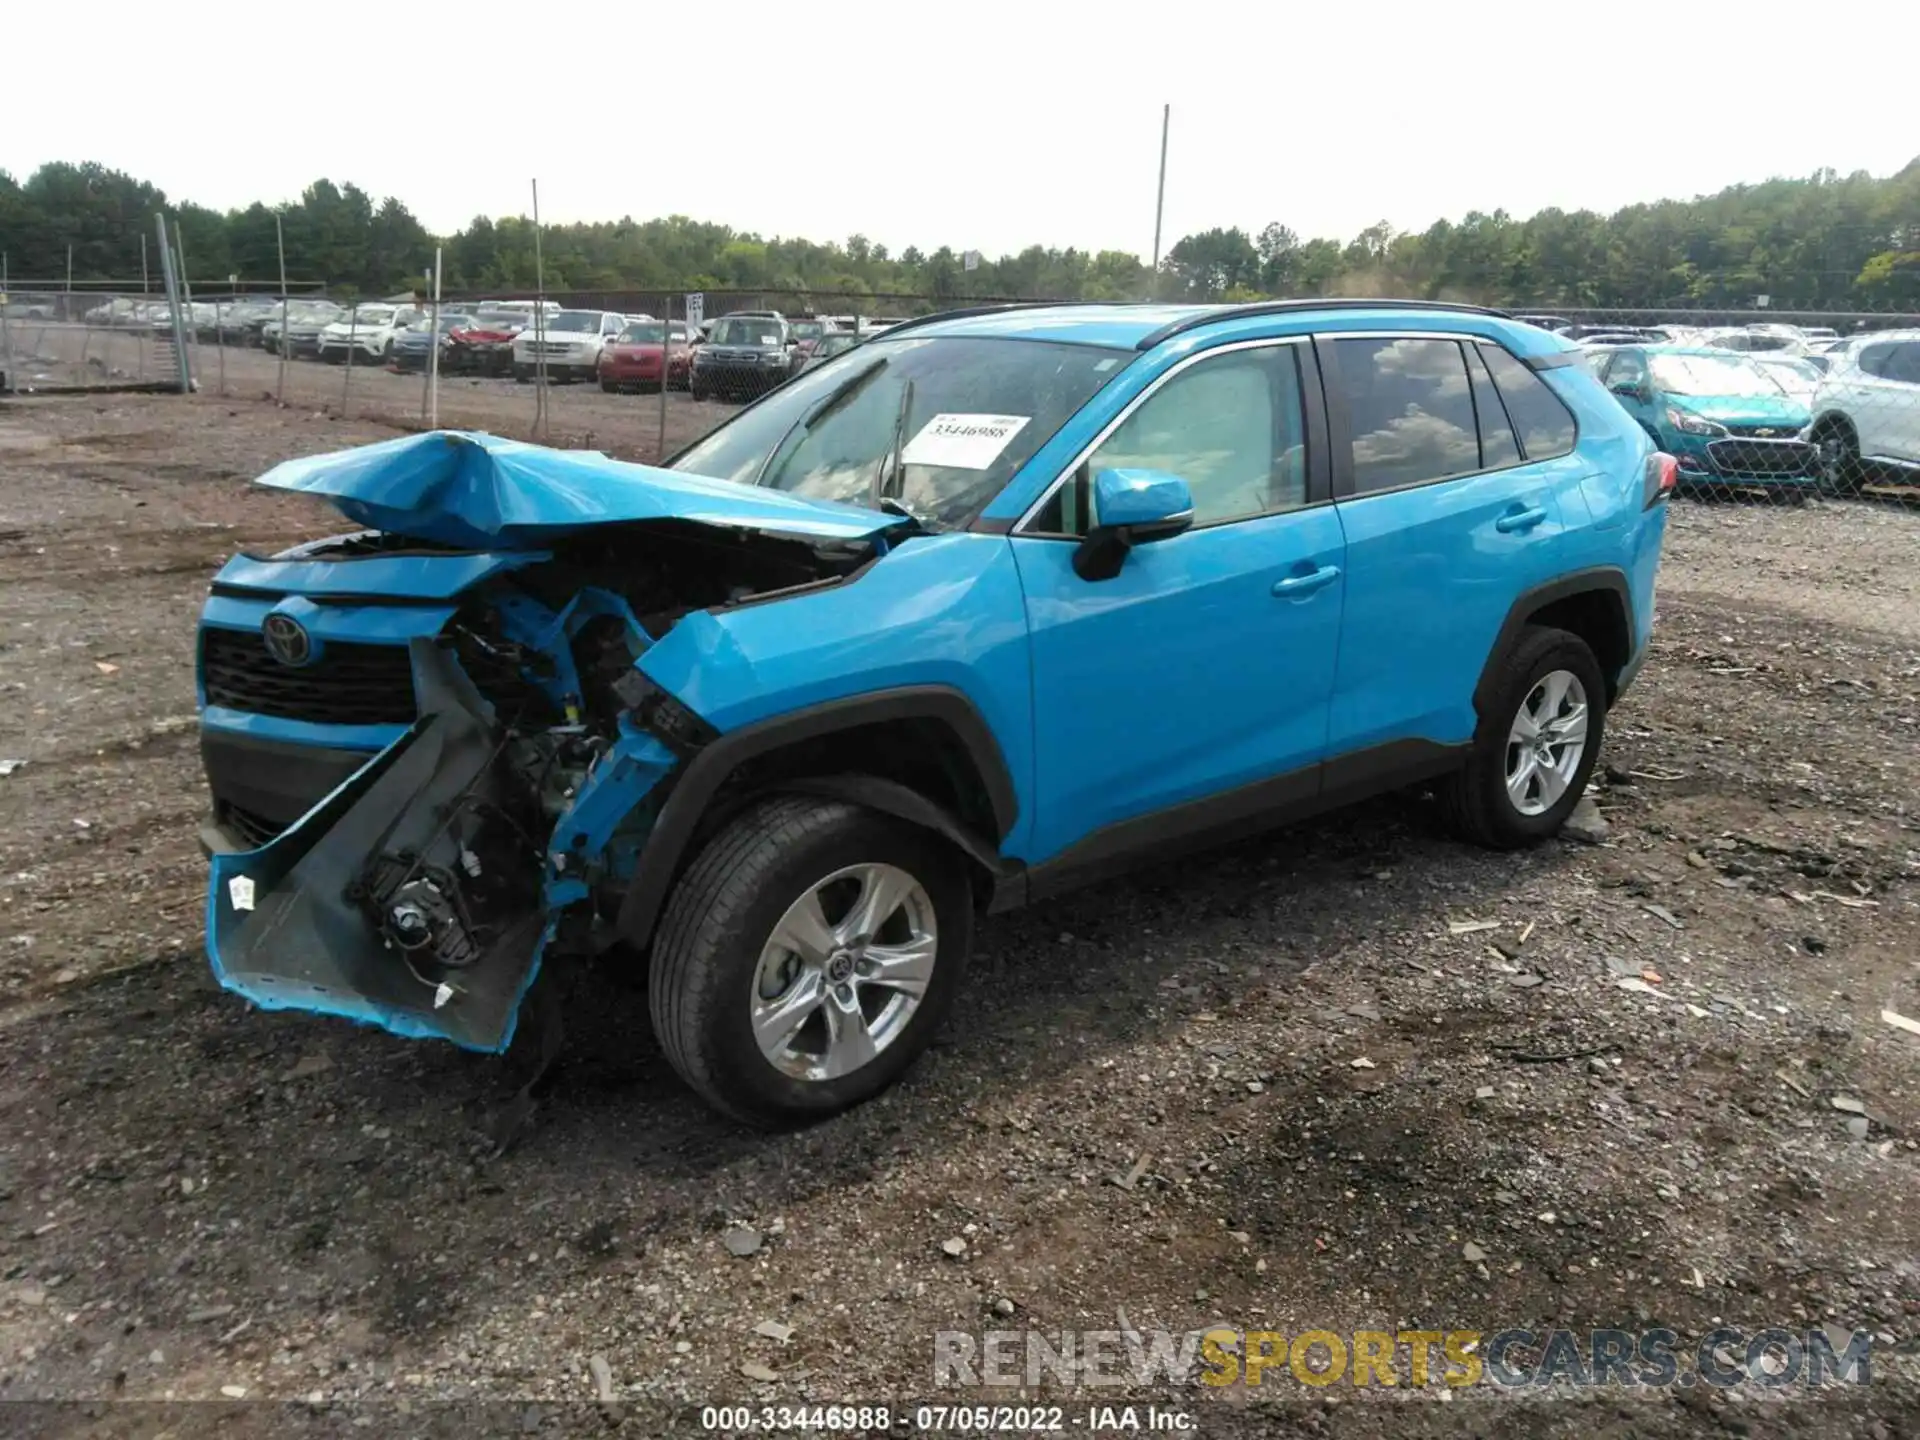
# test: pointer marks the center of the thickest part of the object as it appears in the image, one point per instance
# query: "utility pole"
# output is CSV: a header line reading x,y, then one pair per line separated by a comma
x,y
1160,196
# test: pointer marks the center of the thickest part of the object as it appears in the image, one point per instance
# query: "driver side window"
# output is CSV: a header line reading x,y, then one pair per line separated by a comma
x,y
1231,426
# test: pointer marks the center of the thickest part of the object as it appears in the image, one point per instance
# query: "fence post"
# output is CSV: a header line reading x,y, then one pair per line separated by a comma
x,y
666,362
346,381
8,382
539,326
220,341
280,240
433,350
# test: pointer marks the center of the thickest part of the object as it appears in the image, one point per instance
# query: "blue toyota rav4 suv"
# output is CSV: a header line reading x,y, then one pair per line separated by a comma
x,y
993,605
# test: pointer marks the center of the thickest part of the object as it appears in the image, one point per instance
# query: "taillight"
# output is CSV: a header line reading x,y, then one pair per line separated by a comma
x,y
1663,473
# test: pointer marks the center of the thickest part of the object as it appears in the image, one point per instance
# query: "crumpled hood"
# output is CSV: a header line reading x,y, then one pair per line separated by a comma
x,y
476,490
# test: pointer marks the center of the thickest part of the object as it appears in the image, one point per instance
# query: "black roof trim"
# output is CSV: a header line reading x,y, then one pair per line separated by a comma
x,y
1294,307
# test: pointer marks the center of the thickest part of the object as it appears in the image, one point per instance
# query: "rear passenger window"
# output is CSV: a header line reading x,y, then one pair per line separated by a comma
x,y
1497,445
1410,407
1544,423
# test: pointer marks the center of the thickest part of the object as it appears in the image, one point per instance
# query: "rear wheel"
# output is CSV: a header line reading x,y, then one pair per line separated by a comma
x,y
1536,744
522,374
806,957
1838,446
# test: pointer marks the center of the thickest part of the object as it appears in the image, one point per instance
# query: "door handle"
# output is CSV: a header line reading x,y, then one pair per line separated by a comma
x,y
1294,586
1520,519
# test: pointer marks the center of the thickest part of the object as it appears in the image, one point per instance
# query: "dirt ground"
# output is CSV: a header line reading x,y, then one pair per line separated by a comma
x,y
1282,1086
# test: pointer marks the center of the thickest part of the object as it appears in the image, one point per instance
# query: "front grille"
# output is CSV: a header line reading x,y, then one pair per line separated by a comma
x,y
1761,457
350,684
1775,431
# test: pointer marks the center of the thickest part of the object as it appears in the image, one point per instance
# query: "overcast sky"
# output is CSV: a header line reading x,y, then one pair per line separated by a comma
x,y
979,124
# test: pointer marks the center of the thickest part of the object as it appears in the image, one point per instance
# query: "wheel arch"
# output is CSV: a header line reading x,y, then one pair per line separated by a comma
x,y
923,754
1596,605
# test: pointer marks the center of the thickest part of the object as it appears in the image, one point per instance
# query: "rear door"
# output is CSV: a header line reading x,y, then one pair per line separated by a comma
x,y
1457,483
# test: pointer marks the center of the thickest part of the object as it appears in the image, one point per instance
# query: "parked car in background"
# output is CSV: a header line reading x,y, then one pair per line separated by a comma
x,y
1798,375
636,358
568,341
300,336
484,346
1614,337
745,355
1748,339
1726,420
413,346
1551,323
1866,409
804,334
366,333
834,342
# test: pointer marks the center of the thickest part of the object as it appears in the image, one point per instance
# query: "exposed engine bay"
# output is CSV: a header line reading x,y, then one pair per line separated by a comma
x,y
422,893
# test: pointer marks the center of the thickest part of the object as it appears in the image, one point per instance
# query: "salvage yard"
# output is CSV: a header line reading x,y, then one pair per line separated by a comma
x,y
1349,1076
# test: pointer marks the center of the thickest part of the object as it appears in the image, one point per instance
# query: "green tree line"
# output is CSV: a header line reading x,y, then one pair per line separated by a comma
x,y
1824,242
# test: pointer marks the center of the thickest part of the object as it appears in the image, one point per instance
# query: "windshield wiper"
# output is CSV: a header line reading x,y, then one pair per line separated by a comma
x,y
887,476
831,401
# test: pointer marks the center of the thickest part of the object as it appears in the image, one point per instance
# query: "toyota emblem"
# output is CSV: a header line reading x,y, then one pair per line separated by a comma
x,y
287,640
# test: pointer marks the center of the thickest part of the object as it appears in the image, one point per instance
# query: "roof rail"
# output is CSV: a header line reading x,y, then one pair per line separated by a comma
x,y
1290,307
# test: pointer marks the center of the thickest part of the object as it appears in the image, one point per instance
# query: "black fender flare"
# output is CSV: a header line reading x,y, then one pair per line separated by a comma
x,y
695,786
1605,579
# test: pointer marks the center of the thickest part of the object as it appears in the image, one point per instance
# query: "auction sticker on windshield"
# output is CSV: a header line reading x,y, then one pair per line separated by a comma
x,y
962,442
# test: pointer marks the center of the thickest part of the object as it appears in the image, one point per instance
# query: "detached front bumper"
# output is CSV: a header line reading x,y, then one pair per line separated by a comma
x,y
408,898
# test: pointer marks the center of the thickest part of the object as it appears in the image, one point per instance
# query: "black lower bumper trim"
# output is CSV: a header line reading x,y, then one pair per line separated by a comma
x,y
271,779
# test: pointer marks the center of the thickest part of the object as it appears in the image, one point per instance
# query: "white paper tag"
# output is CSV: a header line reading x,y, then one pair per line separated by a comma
x,y
442,993
240,891
962,442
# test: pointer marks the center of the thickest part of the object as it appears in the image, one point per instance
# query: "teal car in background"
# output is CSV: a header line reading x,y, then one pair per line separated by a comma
x,y
1727,420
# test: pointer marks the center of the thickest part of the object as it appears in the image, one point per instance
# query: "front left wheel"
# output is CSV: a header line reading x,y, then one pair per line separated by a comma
x,y
807,956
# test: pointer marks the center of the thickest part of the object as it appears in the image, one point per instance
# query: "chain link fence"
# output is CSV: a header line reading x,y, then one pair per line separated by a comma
x,y
1762,406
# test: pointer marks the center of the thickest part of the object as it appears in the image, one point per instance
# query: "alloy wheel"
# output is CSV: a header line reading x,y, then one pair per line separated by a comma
x,y
844,971
1546,742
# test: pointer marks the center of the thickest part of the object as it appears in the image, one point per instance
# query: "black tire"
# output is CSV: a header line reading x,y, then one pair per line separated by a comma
x,y
523,374
1841,471
696,392
717,923
1474,798
608,387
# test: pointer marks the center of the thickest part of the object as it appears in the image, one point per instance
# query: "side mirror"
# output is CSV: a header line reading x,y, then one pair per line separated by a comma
x,y
1133,507
1631,391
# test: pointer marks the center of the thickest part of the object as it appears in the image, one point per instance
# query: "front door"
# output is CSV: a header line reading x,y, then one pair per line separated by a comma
x,y
1204,667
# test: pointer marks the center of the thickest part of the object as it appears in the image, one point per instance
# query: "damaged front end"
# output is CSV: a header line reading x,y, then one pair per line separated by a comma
x,y
422,893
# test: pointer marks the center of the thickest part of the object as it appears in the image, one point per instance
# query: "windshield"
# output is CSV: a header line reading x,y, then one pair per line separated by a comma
x,y
647,334
807,329
969,412
575,321
746,330
368,315
500,319
834,344
1714,375
1791,370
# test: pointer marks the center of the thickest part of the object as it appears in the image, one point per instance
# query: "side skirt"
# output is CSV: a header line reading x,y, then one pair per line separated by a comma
x,y
1232,815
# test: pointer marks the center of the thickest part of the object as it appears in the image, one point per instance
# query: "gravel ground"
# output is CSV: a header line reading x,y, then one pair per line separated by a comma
x,y
1330,1103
